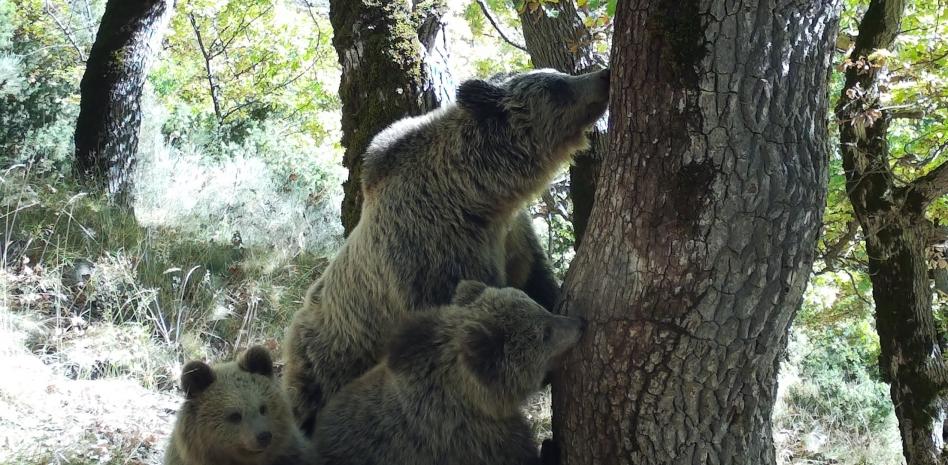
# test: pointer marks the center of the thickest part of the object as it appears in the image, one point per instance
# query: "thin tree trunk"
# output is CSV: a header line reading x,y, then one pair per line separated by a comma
x,y
110,93
702,234
897,235
212,86
561,41
432,33
384,77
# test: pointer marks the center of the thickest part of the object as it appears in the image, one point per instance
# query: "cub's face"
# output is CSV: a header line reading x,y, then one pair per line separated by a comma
x,y
549,109
236,410
512,342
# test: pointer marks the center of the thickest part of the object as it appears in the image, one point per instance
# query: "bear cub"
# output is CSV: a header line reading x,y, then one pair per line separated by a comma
x,y
235,413
451,387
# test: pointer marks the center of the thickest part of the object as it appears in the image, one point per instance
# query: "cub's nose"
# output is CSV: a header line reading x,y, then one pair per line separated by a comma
x,y
264,438
582,324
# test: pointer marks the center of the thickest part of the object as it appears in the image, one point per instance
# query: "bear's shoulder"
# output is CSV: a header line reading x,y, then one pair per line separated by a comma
x,y
405,140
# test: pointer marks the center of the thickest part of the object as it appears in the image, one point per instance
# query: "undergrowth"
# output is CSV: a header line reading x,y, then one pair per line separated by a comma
x,y
75,260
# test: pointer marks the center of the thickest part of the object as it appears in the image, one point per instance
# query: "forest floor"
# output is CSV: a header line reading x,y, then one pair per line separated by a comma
x,y
68,397
47,415
79,389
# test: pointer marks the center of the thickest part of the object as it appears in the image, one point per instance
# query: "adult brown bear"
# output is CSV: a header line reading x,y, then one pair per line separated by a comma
x,y
442,191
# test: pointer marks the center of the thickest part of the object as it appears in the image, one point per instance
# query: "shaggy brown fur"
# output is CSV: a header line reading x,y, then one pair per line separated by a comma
x,y
452,386
236,414
442,193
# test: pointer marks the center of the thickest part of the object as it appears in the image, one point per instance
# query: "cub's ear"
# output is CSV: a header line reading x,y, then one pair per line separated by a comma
x,y
195,378
482,350
467,292
257,360
481,98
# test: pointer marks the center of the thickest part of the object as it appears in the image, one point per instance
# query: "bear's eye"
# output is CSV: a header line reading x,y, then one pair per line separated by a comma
x,y
263,409
547,333
234,417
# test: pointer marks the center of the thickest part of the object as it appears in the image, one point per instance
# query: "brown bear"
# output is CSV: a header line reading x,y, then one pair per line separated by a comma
x,y
527,266
236,413
442,192
451,387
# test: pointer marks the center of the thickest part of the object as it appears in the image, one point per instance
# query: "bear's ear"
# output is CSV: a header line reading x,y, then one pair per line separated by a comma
x,y
482,347
467,292
257,360
195,378
481,98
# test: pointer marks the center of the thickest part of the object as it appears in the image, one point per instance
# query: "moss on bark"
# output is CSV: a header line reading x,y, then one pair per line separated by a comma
x,y
383,80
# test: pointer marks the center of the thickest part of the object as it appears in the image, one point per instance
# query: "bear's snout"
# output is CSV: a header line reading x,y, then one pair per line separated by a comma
x,y
597,84
572,323
604,76
568,331
264,438
582,325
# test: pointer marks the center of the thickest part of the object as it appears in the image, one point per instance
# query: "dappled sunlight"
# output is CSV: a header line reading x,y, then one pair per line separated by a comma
x,y
702,223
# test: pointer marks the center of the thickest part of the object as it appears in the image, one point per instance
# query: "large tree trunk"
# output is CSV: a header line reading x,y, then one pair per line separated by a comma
x,y
110,93
384,77
702,234
561,41
897,235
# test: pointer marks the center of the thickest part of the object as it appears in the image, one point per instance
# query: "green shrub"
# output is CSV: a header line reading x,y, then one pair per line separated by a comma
x,y
831,406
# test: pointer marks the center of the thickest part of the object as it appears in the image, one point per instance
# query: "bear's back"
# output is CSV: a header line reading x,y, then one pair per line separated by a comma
x,y
414,145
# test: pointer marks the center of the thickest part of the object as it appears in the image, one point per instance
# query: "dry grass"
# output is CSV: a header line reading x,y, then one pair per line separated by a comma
x,y
47,417
539,412
97,315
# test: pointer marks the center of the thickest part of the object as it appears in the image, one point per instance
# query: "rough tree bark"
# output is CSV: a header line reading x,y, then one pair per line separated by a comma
x,y
702,233
561,41
892,218
384,77
110,93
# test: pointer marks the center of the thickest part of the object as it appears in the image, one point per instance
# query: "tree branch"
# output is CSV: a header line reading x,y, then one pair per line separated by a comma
x,y
429,20
319,31
243,25
245,104
862,141
497,28
553,207
207,67
929,187
906,113
834,250
66,32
